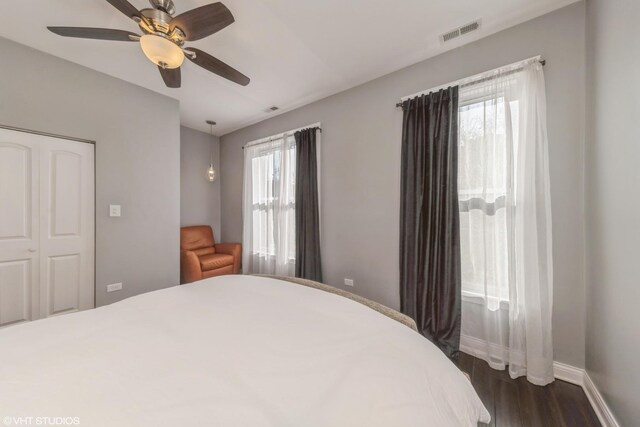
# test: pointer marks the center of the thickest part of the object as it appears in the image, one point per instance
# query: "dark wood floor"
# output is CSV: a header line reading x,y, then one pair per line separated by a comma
x,y
514,403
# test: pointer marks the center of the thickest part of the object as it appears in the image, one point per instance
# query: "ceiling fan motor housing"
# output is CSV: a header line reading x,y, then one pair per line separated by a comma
x,y
158,22
164,5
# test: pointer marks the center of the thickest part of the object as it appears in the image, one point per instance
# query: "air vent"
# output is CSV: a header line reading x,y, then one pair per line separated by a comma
x,y
451,35
460,31
274,108
469,27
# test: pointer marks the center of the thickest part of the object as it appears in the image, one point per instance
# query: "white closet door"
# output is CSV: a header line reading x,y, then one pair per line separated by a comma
x,y
66,226
19,224
51,258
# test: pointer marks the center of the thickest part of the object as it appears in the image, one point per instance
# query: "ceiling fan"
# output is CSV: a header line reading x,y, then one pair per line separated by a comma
x,y
165,34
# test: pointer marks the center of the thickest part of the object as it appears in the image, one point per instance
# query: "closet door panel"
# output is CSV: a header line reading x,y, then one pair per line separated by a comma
x,y
66,194
67,251
15,191
64,284
15,291
19,228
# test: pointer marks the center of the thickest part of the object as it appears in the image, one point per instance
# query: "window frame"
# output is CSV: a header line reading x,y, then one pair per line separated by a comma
x,y
470,295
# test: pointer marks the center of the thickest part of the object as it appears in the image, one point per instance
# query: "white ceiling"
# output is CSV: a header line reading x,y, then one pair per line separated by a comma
x,y
295,51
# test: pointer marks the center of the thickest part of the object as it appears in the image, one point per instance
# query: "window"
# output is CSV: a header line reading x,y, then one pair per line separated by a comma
x,y
269,206
487,128
505,219
273,195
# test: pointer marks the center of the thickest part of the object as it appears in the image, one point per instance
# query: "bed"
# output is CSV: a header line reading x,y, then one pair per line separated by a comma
x,y
232,351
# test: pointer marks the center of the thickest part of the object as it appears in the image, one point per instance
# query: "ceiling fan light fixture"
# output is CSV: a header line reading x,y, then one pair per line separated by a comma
x,y
161,51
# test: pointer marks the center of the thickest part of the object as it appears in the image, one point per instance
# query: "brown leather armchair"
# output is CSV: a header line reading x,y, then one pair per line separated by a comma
x,y
201,257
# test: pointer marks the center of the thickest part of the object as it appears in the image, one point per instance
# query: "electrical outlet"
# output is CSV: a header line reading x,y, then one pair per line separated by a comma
x,y
114,210
348,282
114,287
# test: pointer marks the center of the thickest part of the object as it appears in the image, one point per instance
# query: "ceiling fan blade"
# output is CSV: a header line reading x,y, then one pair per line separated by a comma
x,y
125,7
203,21
95,33
218,67
171,77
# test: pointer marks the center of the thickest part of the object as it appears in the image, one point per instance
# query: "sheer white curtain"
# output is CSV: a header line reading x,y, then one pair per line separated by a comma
x,y
269,207
505,219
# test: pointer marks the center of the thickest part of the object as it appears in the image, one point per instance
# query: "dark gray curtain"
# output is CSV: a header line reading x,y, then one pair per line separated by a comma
x,y
430,283
308,259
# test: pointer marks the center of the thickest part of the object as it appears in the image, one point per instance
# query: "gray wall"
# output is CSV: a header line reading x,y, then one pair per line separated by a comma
x,y
137,159
361,164
199,198
613,203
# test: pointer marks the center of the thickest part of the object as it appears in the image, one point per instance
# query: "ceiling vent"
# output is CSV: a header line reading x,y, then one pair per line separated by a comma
x,y
460,31
451,35
273,108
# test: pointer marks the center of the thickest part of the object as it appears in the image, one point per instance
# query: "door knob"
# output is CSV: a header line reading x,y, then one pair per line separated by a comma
x,y
33,250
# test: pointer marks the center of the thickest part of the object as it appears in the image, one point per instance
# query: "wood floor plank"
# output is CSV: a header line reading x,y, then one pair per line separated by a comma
x,y
518,403
507,412
483,381
575,407
502,375
465,363
538,405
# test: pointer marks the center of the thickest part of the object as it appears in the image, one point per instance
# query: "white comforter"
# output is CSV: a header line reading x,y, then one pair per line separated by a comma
x,y
232,351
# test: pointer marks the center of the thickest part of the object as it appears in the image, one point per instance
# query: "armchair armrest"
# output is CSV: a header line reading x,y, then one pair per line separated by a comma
x,y
190,267
234,249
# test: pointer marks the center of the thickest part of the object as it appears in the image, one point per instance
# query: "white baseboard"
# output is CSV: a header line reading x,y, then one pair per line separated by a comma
x,y
597,402
561,371
476,347
568,373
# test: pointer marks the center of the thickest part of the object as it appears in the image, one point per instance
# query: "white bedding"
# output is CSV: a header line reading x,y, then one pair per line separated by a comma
x,y
232,351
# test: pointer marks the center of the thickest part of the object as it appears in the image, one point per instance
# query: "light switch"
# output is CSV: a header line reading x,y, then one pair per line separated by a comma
x,y
114,210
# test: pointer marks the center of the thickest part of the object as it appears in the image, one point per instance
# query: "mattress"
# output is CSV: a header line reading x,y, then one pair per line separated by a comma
x,y
232,351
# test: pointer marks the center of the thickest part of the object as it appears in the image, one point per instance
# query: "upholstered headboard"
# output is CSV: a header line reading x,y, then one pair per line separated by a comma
x,y
391,313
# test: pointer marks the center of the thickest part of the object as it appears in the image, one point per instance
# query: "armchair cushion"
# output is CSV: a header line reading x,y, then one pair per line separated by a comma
x,y
196,237
205,251
215,261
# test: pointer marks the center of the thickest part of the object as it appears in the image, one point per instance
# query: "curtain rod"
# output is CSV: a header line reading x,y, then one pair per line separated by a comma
x,y
542,62
281,135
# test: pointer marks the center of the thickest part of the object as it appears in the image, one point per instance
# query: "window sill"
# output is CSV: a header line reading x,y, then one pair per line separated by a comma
x,y
479,299
270,257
